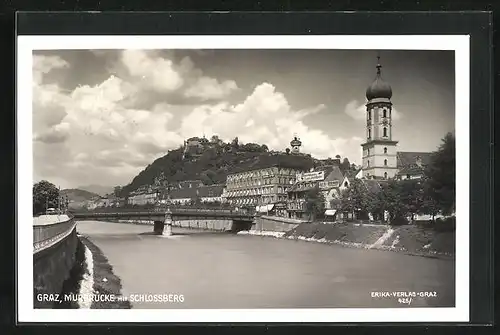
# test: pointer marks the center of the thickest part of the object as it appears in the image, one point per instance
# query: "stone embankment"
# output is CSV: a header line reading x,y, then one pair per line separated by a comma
x,y
410,239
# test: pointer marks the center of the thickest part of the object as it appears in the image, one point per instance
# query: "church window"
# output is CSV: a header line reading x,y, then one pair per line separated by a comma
x,y
385,132
369,115
385,162
385,175
346,184
385,150
368,163
369,133
385,113
368,152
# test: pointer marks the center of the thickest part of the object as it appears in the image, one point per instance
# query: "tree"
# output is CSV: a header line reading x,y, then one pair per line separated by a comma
x,y
440,176
235,143
345,165
287,150
395,201
215,139
354,198
337,156
45,195
264,148
315,203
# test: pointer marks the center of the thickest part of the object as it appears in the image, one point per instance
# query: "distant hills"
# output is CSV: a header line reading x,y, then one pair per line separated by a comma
x,y
78,197
97,189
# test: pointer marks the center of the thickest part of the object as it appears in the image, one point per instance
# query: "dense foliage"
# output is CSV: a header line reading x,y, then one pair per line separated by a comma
x,y
441,176
45,195
315,203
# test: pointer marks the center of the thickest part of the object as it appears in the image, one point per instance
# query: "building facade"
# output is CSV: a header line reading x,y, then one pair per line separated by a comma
x,y
261,187
327,179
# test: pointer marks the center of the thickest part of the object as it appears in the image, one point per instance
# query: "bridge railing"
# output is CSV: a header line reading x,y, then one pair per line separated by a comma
x,y
154,213
49,230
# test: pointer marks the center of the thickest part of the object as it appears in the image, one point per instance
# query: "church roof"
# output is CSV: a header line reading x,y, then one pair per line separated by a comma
x,y
372,185
412,163
334,174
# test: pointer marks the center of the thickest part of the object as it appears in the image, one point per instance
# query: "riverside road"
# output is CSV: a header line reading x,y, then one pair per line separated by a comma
x,y
221,270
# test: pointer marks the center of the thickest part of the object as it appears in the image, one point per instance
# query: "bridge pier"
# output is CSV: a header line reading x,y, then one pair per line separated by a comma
x,y
168,223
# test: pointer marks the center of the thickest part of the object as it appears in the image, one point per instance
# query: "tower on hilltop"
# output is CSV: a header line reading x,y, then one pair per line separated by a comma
x,y
379,149
295,144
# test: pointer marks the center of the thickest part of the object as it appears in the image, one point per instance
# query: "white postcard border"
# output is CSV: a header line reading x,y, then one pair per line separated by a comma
x,y
27,44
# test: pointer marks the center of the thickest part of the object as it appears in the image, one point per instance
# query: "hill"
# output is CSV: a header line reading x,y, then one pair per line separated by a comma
x,y
212,162
79,198
97,189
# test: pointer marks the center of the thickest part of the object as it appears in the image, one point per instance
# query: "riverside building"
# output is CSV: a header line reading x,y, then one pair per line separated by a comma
x,y
328,179
265,187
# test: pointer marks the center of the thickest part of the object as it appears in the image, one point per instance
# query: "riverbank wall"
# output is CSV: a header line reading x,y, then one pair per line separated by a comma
x,y
51,268
275,224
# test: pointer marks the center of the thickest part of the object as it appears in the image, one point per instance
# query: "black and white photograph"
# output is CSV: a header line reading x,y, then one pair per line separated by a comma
x,y
285,178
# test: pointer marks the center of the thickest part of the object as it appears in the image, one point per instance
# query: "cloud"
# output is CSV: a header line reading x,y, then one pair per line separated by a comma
x,y
156,73
44,64
96,134
207,88
265,116
357,111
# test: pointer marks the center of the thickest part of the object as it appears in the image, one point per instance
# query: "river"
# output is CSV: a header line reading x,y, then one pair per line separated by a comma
x,y
220,270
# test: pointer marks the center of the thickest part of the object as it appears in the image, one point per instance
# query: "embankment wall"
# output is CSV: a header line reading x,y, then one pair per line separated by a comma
x,y
51,267
276,224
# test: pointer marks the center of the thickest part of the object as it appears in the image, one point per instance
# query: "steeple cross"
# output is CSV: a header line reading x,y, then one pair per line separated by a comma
x,y
378,64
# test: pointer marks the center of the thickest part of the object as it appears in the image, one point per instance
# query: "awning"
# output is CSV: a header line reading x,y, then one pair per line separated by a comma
x,y
330,212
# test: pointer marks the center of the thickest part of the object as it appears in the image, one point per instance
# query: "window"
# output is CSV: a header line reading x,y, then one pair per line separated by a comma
x,y
368,152
385,150
369,115
407,176
385,132
385,175
346,184
369,133
385,162
385,113
368,163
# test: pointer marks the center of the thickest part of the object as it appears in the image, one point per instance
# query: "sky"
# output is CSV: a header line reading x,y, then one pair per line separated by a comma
x,y
101,116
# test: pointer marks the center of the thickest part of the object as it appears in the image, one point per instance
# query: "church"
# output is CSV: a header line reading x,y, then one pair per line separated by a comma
x,y
380,158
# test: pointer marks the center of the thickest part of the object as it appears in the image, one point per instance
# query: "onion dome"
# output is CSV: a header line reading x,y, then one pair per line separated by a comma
x,y
379,88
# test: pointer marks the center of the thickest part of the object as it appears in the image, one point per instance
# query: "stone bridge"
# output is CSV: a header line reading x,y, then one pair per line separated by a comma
x,y
240,220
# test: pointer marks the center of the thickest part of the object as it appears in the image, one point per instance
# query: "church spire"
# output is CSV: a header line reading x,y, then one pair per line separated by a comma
x,y
378,65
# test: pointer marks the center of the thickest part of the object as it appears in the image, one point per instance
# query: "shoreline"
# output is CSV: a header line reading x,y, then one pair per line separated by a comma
x,y
355,245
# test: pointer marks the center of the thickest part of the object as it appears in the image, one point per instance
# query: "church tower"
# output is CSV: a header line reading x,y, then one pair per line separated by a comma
x,y
379,150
